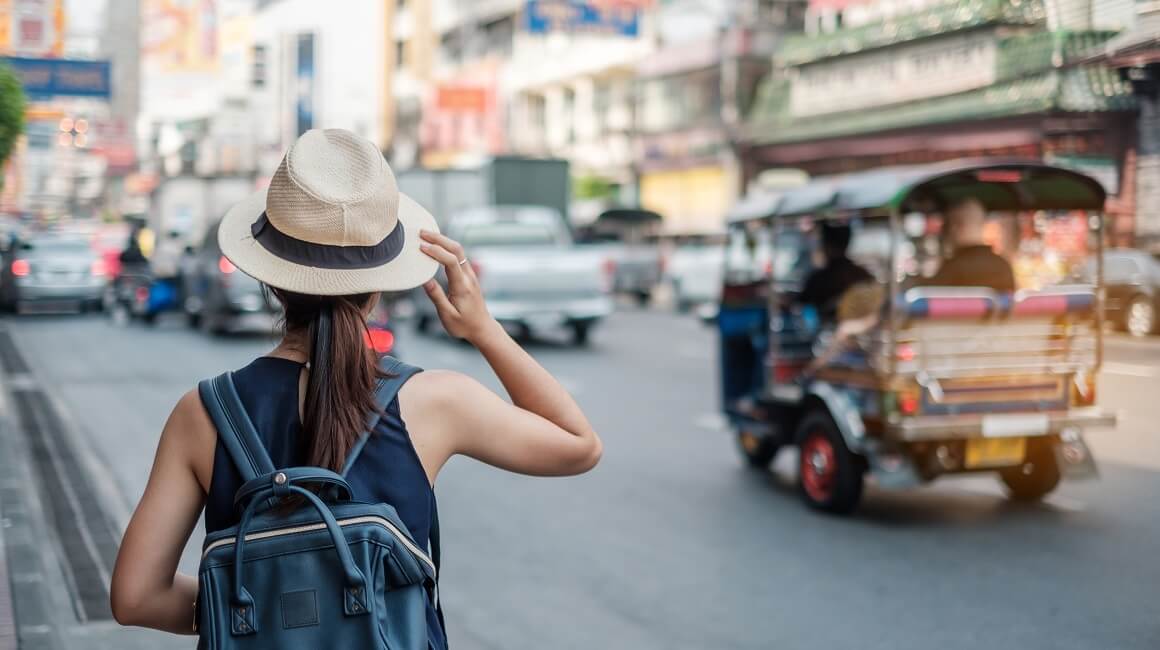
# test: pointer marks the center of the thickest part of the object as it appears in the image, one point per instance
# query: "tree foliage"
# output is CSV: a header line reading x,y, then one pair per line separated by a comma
x,y
12,105
592,187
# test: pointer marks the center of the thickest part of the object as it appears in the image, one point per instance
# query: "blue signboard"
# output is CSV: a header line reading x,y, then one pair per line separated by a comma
x,y
579,17
61,77
304,75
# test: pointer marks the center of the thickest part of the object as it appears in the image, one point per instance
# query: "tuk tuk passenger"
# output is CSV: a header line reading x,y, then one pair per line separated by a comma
x,y
824,286
972,262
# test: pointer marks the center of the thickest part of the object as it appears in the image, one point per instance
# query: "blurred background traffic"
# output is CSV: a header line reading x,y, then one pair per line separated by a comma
x,y
601,161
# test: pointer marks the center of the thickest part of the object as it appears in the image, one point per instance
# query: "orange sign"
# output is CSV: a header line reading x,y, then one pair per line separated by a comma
x,y
461,99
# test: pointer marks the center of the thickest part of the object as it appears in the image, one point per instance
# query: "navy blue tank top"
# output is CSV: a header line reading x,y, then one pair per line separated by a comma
x,y
387,471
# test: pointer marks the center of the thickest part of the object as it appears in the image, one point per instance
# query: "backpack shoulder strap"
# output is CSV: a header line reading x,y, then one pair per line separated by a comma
x,y
388,387
437,557
234,427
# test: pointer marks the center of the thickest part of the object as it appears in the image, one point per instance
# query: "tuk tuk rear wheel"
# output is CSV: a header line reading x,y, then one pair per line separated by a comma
x,y
758,451
829,474
1035,478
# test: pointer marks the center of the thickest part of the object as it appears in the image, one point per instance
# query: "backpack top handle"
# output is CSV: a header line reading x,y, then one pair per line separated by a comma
x,y
243,619
335,487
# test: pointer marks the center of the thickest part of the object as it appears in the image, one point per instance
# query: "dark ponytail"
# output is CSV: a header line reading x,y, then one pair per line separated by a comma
x,y
343,371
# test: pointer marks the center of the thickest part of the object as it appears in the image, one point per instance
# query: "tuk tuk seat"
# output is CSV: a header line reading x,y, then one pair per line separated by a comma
x,y
948,303
976,331
1055,301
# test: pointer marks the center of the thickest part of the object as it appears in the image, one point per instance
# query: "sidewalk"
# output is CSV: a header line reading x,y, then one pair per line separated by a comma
x,y
57,535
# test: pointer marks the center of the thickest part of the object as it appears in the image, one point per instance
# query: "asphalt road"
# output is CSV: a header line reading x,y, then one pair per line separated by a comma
x,y
670,543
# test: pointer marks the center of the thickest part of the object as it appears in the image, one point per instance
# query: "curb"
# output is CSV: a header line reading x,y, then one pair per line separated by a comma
x,y
8,640
7,615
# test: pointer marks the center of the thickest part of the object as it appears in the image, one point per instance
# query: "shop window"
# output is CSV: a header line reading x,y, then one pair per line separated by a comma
x,y
569,115
601,105
451,48
498,36
258,70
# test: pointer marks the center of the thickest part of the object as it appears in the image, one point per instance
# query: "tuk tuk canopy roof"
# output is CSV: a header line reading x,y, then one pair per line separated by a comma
x,y
628,216
1004,185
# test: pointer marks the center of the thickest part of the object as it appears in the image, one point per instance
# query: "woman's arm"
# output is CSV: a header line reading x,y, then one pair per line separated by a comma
x,y
544,432
146,590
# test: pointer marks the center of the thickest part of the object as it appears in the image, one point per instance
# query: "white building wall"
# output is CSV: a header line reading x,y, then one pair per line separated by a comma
x,y
1113,14
348,68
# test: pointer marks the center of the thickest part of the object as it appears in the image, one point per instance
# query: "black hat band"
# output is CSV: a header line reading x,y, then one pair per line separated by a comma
x,y
327,256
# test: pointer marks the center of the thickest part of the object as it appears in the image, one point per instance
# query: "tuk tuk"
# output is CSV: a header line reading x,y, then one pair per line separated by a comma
x,y
946,380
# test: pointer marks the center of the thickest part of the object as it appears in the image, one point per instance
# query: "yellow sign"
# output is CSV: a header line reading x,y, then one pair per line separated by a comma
x,y
995,452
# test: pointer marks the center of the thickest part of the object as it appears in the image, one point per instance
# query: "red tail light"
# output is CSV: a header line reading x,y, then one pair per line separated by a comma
x,y
98,269
908,403
609,269
381,340
21,268
226,266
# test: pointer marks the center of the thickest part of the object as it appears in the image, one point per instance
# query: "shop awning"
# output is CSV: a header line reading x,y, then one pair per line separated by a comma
x,y
950,16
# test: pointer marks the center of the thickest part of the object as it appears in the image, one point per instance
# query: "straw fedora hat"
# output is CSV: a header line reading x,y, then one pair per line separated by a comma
x,y
332,222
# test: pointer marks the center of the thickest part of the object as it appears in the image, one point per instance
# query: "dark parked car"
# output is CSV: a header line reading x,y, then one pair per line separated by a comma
x,y
52,270
218,297
1133,281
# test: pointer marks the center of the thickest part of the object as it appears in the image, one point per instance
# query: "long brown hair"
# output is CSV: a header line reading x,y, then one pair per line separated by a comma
x,y
343,371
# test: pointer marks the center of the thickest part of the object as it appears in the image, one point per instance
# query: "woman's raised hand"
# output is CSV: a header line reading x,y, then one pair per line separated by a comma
x,y
461,307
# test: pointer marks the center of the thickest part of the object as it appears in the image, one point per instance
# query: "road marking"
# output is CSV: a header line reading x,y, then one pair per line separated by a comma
x,y
1127,341
1130,370
712,422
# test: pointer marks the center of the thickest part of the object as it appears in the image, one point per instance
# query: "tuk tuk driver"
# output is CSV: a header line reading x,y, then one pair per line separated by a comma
x,y
825,286
972,262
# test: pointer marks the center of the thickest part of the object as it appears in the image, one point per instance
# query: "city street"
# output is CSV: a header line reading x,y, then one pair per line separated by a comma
x,y
670,543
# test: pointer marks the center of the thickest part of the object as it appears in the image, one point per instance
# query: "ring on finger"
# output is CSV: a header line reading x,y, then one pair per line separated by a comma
x,y
463,261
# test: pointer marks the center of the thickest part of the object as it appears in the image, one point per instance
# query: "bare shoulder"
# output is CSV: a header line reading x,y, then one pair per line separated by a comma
x,y
432,404
439,390
191,430
190,414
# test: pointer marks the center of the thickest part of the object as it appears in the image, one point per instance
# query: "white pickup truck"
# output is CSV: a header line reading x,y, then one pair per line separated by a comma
x,y
532,275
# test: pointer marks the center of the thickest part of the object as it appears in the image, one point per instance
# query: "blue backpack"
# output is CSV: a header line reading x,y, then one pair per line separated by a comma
x,y
332,572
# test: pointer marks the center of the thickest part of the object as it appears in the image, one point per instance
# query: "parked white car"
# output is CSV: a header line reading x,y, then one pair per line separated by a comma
x,y
694,273
532,275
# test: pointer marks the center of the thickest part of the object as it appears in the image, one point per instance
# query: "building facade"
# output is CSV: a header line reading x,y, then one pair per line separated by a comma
x,y
992,78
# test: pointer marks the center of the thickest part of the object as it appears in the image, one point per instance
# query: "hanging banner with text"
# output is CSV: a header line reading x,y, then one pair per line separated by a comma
x,y
44,78
929,68
576,17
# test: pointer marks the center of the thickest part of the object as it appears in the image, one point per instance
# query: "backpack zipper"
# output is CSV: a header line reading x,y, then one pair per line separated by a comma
x,y
292,530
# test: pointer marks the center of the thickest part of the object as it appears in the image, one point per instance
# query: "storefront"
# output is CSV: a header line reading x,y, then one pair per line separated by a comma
x,y
692,200
687,97
688,177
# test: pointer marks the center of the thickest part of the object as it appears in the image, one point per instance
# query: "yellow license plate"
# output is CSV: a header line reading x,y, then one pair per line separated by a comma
x,y
995,452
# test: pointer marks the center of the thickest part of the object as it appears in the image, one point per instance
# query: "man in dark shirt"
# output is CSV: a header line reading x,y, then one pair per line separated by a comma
x,y
973,263
825,286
